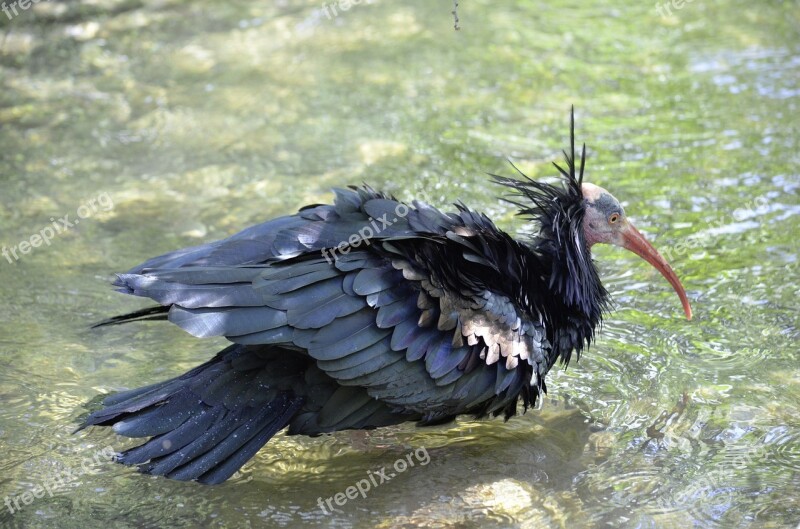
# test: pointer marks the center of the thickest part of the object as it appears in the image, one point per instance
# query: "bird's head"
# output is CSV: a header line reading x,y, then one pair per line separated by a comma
x,y
576,216
604,221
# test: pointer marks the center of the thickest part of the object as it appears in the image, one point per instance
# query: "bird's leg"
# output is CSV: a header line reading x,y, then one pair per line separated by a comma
x,y
655,432
359,440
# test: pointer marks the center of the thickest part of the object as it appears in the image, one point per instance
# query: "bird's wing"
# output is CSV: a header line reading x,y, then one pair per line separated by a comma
x,y
379,316
309,230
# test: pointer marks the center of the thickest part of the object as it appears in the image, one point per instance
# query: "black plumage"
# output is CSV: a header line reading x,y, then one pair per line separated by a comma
x,y
364,313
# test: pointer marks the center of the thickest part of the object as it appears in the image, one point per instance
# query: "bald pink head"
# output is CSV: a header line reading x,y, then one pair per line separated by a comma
x,y
605,222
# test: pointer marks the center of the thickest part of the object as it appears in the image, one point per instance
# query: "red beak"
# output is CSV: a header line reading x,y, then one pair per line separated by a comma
x,y
634,241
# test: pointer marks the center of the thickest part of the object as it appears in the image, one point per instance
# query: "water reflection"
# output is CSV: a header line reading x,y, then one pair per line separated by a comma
x,y
200,118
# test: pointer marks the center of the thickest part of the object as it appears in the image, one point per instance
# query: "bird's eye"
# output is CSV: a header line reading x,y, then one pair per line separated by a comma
x,y
613,218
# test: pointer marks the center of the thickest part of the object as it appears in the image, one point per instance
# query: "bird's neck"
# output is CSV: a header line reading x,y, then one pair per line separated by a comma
x,y
571,277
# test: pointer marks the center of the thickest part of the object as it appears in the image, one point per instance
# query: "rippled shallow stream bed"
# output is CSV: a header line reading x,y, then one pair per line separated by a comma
x,y
160,124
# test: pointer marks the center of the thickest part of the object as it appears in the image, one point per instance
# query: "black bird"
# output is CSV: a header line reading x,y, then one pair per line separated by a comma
x,y
367,313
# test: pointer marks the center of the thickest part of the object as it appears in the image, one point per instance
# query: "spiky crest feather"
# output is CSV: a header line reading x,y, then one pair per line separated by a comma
x,y
559,212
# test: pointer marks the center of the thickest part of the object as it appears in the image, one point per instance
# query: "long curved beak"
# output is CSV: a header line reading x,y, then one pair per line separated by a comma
x,y
634,241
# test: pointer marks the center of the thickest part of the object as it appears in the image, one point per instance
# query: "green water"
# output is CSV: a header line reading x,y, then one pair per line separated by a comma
x,y
187,121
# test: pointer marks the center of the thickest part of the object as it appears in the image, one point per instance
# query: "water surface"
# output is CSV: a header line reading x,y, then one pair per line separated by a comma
x,y
187,121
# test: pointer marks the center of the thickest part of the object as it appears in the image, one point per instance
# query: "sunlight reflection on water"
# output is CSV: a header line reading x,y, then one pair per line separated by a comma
x,y
201,118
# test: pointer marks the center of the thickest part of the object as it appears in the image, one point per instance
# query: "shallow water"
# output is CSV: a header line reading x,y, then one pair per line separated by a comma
x,y
184,122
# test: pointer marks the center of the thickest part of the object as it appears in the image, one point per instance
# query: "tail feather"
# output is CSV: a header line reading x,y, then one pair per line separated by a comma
x,y
156,420
219,463
200,426
205,424
149,314
122,396
169,442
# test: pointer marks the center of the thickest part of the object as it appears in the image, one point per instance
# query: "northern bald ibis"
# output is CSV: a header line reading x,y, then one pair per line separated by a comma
x,y
366,313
